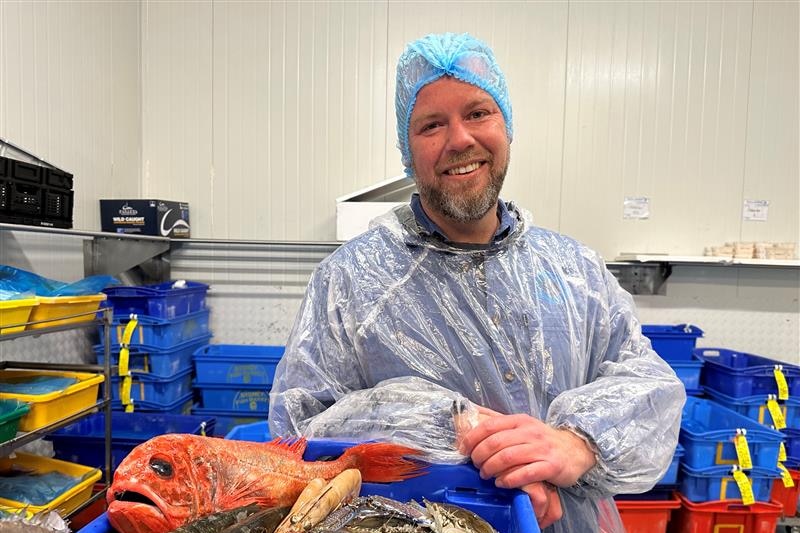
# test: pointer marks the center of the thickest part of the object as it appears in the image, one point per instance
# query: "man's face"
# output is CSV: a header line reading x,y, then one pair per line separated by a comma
x,y
459,149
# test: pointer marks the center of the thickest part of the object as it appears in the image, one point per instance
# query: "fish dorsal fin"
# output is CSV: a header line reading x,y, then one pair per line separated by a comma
x,y
295,446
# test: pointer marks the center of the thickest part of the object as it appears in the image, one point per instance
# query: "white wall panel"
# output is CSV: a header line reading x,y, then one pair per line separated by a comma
x,y
656,107
69,92
773,147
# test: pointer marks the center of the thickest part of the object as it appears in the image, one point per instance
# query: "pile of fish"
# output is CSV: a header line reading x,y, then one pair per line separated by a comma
x,y
192,484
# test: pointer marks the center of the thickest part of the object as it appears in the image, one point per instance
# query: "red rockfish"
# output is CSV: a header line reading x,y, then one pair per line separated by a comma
x,y
173,479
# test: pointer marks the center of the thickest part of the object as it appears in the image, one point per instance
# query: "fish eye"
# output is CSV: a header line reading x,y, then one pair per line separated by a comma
x,y
161,467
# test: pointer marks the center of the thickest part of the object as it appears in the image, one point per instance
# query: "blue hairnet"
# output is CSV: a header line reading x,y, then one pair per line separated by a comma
x,y
433,56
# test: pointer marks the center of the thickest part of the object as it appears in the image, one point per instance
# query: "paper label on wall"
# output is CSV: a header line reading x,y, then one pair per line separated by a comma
x,y
755,210
636,207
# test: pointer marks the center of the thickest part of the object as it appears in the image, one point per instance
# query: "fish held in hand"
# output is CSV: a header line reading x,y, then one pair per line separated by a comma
x,y
174,479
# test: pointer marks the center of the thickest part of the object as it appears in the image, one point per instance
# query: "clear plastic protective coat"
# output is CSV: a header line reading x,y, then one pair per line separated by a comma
x,y
401,334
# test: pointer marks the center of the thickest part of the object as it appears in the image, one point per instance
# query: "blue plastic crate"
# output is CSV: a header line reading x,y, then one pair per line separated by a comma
x,y
227,420
235,363
717,483
234,397
157,362
673,343
792,441
162,300
688,372
741,374
755,407
707,431
507,510
162,332
671,476
255,432
152,389
84,441
181,406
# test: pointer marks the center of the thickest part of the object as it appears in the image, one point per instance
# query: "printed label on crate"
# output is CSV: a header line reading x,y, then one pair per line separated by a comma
x,y
782,453
743,451
249,400
745,488
788,482
780,379
778,418
246,373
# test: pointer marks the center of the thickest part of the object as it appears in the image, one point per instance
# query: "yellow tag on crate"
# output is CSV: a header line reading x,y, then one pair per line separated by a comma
x,y
777,414
782,453
123,362
788,482
780,379
743,451
745,488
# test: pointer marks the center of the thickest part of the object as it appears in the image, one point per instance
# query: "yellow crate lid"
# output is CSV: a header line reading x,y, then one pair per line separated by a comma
x,y
13,304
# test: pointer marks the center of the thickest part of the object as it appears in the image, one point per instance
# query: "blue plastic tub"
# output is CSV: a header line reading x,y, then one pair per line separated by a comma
x,y
740,375
792,441
227,420
673,343
717,483
671,476
234,397
160,301
84,441
157,362
152,389
181,406
707,431
755,407
162,332
507,510
233,364
255,432
688,372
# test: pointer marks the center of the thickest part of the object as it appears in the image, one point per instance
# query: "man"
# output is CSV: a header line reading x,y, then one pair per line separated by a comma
x,y
457,299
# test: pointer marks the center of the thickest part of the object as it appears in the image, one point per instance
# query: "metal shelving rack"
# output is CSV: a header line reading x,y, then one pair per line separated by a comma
x,y
102,405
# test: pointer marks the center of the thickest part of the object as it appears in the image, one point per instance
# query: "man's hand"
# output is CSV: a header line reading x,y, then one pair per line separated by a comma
x,y
519,450
546,502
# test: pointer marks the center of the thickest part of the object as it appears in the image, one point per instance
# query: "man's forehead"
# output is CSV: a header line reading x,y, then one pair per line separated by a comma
x,y
451,92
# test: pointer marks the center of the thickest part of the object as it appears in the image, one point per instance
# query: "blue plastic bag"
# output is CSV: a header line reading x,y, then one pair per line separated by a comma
x,y
15,281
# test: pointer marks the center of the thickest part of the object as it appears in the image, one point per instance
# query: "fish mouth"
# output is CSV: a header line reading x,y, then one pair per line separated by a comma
x,y
130,497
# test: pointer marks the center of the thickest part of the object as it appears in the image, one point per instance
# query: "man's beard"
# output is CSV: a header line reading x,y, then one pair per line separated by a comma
x,y
463,207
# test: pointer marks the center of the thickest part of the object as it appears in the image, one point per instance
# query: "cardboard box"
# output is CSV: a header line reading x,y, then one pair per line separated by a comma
x,y
146,217
355,211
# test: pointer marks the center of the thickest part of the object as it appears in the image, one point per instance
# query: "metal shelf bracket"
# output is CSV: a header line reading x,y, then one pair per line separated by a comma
x,y
136,262
641,278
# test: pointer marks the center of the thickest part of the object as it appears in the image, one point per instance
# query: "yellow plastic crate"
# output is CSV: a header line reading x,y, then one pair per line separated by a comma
x,y
15,312
58,306
64,503
53,406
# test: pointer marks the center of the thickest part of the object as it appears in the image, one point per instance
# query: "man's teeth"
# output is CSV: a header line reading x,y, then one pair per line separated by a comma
x,y
464,170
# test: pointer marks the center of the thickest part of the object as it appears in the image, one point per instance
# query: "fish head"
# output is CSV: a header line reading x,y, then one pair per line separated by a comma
x,y
162,484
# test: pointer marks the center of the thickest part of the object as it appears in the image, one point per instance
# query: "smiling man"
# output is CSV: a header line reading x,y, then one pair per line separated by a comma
x,y
458,303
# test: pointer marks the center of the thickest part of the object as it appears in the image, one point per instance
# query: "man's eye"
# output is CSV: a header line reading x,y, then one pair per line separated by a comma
x,y
478,114
430,126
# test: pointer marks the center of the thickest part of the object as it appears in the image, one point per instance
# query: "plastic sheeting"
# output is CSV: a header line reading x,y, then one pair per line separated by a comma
x,y
34,488
36,385
16,283
533,323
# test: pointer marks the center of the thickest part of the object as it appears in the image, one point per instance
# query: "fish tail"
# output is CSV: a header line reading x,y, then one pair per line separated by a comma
x,y
382,462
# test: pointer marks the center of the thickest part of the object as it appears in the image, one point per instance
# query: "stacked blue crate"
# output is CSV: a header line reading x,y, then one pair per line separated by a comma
x,y
675,344
708,433
173,323
233,382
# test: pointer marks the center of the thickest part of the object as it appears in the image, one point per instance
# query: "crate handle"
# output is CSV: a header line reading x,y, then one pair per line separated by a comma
x,y
710,353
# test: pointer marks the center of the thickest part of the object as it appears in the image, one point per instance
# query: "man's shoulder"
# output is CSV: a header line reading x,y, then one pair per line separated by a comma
x,y
371,245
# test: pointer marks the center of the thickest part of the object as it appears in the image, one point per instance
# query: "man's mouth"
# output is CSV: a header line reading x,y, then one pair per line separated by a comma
x,y
466,169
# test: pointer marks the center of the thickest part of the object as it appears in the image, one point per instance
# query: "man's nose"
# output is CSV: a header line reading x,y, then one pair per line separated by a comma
x,y
459,137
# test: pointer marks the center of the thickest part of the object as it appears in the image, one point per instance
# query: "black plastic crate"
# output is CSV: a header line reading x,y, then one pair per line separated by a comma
x,y
27,172
58,179
35,221
25,198
3,166
4,195
57,204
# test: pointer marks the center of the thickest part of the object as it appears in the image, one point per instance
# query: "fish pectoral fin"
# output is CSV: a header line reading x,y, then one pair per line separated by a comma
x,y
294,445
